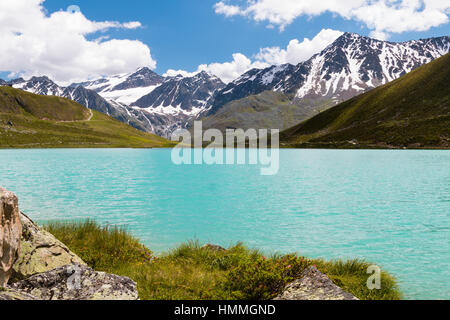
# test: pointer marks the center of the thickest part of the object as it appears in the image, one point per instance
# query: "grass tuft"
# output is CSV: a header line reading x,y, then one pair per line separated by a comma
x,y
102,247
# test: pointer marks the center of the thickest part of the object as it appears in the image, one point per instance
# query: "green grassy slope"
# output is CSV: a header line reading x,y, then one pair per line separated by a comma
x,y
410,112
32,121
51,108
267,110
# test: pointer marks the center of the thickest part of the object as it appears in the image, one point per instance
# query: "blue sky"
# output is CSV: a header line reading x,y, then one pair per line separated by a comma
x,y
184,34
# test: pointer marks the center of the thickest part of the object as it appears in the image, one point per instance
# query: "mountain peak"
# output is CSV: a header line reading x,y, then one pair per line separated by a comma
x,y
351,35
40,79
143,77
204,75
144,70
16,81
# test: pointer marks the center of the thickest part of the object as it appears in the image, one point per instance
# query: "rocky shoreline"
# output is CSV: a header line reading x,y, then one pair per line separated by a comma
x,y
37,266
34,265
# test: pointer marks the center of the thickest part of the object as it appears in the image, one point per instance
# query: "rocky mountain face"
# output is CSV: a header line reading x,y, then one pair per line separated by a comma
x,y
349,66
39,85
190,96
142,78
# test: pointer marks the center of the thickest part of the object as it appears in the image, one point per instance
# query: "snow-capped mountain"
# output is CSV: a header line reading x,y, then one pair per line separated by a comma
x,y
161,104
347,67
147,90
181,95
177,101
39,85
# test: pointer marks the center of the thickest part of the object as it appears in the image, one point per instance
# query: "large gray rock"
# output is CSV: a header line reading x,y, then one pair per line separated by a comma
x,y
10,232
40,252
314,285
78,282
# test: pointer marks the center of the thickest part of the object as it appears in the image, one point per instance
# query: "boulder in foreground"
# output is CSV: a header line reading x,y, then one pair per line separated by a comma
x,y
10,231
78,282
40,252
314,285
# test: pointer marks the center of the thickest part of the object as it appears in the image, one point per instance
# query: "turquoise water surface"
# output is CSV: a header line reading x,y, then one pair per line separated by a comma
x,y
388,207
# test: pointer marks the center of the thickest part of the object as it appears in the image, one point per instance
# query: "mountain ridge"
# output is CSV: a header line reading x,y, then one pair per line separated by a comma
x,y
351,65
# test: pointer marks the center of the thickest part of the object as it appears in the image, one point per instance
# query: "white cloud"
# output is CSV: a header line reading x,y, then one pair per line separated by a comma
x,y
184,73
297,51
228,10
381,16
294,53
56,45
132,25
379,35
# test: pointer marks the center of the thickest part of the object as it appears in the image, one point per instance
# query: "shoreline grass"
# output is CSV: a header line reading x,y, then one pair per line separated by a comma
x,y
190,272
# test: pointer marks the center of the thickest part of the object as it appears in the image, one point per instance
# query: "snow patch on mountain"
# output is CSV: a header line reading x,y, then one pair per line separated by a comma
x,y
127,96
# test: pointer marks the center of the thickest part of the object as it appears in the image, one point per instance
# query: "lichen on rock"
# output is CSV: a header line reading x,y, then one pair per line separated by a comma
x,y
40,252
314,285
78,282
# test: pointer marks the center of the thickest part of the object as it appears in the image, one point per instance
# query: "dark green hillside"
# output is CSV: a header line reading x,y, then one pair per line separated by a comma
x,y
410,112
267,110
42,107
33,121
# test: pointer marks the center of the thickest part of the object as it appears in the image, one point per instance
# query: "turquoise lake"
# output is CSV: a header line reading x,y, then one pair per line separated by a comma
x,y
387,207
